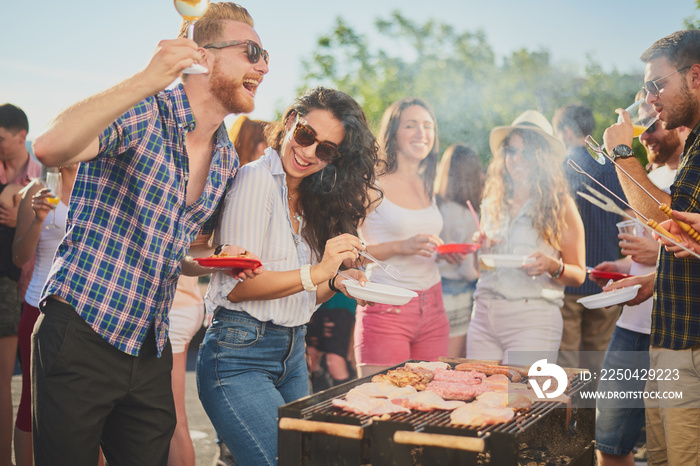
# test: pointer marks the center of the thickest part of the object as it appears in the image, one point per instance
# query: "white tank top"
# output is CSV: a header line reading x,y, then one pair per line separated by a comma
x,y
390,222
49,239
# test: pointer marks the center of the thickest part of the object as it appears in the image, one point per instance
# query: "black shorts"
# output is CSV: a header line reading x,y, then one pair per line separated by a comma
x,y
10,307
330,329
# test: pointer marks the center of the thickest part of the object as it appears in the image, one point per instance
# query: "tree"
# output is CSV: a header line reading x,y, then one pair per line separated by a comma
x,y
458,74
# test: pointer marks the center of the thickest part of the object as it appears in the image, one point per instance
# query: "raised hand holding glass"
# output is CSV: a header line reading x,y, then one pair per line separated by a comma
x,y
191,11
54,182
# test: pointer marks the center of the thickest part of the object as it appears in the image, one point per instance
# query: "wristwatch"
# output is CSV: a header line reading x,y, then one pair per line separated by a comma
x,y
622,151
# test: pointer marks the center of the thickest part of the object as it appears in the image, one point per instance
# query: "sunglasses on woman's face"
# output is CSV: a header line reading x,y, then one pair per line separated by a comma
x,y
305,136
254,50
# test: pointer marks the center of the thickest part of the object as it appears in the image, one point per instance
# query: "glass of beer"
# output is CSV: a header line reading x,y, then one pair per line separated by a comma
x,y
54,182
642,115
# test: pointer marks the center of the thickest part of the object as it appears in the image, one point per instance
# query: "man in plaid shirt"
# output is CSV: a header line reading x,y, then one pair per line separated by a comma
x,y
672,75
156,165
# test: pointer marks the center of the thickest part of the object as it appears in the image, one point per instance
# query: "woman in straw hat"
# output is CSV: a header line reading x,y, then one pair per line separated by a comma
x,y
527,213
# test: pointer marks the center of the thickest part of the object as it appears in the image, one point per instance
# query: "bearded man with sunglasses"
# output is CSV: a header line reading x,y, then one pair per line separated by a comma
x,y
156,164
672,74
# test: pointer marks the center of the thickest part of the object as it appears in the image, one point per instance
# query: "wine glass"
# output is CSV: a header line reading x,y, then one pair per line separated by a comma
x,y
54,182
642,115
191,11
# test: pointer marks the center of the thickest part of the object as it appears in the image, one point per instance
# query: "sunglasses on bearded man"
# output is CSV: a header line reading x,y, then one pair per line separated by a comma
x,y
254,50
305,136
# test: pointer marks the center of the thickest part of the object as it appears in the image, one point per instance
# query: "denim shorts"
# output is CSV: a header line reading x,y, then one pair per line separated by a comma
x,y
458,301
617,428
246,370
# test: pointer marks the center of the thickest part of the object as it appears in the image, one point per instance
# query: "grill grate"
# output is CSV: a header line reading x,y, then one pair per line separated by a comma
x,y
544,423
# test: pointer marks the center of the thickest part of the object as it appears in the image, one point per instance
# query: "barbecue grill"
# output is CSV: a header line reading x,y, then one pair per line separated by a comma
x,y
313,432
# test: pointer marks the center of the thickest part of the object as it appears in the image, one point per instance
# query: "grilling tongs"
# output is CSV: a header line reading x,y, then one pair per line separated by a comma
x,y
598,153
607,204
610,206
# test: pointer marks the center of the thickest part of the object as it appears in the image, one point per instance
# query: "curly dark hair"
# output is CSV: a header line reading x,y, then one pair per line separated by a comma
x,y
387,140
336,199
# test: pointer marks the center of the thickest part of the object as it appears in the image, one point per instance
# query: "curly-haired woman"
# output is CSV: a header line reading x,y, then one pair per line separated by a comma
x,y
526,211
298,207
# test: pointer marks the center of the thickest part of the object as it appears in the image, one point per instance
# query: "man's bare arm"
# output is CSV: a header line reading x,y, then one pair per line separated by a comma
x,y
72,136
621,133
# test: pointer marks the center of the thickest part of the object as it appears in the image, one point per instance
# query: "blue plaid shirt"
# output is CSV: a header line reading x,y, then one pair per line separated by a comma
x,y
129,225
599,225
675,319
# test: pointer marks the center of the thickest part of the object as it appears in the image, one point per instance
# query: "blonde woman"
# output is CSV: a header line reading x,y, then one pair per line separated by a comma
x,y
526,211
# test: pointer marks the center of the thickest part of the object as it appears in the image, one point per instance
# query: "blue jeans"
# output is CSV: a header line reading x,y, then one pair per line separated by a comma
x,y
246,370
617,428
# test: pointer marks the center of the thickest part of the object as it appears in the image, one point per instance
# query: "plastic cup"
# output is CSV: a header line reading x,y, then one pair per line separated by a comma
x,y
642,115
627,227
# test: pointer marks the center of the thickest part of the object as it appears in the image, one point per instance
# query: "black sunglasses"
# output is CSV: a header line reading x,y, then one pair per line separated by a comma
x,y
652,88
305,136
254,50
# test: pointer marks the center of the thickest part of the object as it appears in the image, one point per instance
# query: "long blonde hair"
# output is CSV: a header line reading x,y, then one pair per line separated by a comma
x,y
548,192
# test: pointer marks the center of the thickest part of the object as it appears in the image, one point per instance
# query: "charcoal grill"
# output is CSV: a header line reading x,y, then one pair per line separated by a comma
x,y
313,432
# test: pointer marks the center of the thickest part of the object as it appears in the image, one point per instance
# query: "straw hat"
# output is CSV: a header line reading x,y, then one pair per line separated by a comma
x,y
530,120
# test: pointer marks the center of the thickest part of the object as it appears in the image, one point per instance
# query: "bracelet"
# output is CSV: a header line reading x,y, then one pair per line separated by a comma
x,y
560,271
305,273
219,248
331,284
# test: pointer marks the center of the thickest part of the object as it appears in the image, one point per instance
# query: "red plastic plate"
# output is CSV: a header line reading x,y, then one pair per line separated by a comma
x,y
457,248
605,275
228,262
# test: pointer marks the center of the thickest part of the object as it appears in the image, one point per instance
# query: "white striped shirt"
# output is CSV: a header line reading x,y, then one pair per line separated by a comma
x,y
255,216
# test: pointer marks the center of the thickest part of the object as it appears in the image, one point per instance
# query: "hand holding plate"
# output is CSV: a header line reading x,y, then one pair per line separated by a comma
x,y
539,263
645,292
352,274
240,274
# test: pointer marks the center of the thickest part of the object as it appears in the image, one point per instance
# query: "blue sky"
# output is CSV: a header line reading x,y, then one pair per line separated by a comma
x,y
56,53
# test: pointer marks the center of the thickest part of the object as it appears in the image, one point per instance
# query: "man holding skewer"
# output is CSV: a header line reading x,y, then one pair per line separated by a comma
x,y
672,75
619,426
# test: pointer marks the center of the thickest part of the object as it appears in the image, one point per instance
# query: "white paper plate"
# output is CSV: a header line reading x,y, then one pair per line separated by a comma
x,y
379,293
505,260
610,298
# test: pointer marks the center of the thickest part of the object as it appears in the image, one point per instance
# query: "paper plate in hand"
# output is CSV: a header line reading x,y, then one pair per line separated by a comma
x,y
379,293
504,260
610,298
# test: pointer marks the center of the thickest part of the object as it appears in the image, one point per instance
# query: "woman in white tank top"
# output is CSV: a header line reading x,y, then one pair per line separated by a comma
x,y
404,231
